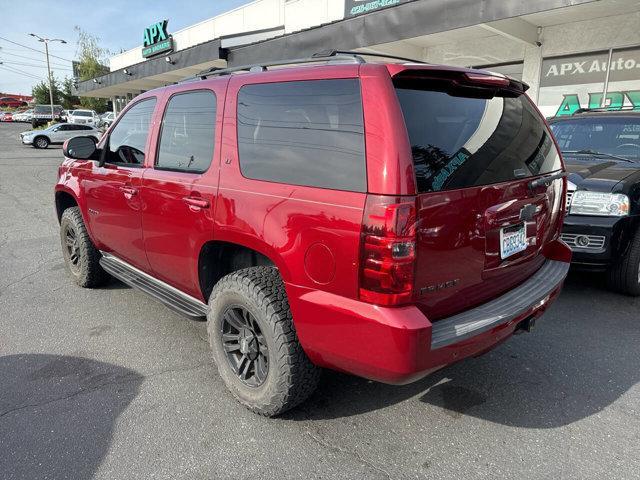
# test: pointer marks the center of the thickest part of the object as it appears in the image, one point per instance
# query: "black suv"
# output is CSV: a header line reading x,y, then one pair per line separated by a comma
x,y
601,150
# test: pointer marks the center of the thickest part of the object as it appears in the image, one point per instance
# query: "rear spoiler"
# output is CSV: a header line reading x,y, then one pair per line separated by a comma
x,y
465,78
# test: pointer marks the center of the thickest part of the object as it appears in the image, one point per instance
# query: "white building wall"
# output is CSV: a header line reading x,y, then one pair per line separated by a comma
x,y
301,14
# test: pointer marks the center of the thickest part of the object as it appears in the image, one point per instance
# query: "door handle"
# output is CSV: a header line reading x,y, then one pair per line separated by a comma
x,y
129,191
196,203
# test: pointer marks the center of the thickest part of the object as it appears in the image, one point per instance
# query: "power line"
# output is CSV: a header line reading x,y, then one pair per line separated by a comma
x,y
34,49
20,72
32,65
3,51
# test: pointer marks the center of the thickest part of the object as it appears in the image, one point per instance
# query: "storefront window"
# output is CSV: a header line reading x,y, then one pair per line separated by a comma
x,y
590,81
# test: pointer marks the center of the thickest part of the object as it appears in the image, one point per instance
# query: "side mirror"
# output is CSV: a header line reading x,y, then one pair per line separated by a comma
x,y
80,148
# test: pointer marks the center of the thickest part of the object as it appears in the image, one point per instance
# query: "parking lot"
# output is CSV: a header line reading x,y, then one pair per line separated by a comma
x,y
110,384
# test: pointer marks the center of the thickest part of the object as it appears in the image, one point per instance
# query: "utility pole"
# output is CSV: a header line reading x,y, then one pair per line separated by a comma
x,y
46,50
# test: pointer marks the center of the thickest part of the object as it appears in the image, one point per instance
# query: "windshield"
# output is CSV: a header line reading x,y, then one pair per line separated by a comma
x,y
460,141
618,136
79,113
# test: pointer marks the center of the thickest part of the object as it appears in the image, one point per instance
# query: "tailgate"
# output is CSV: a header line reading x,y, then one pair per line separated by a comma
x,y
480,226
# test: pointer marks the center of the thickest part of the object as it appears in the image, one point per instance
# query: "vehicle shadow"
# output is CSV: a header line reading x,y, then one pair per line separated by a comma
x,y
581,358
57,414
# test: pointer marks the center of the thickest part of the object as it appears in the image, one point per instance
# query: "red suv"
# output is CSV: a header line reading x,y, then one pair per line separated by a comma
x,y
384,220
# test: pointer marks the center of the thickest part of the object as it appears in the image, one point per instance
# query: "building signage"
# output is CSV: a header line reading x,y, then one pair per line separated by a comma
x,y
358,7
156,39
590,80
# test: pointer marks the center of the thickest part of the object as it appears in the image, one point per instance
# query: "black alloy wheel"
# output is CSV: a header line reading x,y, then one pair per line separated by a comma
x,y
245,346
72,248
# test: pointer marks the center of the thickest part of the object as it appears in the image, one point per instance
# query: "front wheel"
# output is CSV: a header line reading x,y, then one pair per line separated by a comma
x,y
81,257
255,345
41,142
624,275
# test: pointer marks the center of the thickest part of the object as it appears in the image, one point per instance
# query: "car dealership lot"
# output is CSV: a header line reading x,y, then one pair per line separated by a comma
x,y
110,384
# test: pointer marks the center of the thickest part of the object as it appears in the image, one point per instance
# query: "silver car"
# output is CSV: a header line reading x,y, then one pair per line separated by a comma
x,y
58,133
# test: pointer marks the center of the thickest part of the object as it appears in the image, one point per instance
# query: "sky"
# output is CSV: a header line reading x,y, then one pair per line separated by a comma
x,y
119,24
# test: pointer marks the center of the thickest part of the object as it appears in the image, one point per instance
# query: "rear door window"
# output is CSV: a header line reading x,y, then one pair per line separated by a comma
x,y
188,132
464,141
303,133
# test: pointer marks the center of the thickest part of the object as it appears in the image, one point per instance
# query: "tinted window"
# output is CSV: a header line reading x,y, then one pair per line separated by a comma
x,y
618,136
303,133
459,141
129,137
188,132
83,127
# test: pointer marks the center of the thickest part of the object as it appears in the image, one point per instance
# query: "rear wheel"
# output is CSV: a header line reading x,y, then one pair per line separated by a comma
x,y
255,345
41,142
80,255
624,276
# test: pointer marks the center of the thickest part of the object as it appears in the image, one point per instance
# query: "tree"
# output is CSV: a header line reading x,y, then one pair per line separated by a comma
x,y
68,99
92,58
40,92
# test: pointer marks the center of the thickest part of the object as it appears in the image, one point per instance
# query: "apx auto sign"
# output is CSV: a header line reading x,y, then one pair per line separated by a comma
x,y
156,39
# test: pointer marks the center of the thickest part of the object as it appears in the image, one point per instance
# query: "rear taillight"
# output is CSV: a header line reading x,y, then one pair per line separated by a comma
x,y
388,250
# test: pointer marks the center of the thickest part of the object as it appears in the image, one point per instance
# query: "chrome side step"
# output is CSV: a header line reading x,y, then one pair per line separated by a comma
x,y
170,296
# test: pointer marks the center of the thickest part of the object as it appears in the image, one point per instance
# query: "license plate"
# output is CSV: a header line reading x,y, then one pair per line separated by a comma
x,y
513,240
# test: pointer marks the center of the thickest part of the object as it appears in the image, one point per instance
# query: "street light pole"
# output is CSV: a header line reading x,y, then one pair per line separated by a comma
x,y
46,50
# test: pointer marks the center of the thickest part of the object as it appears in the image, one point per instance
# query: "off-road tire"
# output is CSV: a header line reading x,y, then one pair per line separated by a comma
x,y
87,273
624,275
291,377
41,142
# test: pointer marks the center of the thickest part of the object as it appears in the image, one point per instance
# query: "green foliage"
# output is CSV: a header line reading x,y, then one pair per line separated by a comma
x,y
91,62
40,93
68,99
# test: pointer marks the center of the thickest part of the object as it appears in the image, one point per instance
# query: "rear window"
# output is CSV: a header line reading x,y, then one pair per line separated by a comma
x,y
464,141
303,133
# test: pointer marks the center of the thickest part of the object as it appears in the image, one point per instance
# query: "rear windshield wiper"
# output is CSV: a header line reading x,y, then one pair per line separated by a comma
x,y
546,181
599,154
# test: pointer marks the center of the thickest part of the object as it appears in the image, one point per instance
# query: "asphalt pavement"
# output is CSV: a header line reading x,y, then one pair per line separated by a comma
x,y
109,384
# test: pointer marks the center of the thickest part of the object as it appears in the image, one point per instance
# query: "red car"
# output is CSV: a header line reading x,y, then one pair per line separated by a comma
x,y
12,102
384,220
6,117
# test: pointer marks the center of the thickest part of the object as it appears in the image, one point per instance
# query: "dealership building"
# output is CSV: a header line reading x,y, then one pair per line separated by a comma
x,y
572,53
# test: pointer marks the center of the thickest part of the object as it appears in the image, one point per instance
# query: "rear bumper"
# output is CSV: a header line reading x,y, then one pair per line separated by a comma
x,y
399,344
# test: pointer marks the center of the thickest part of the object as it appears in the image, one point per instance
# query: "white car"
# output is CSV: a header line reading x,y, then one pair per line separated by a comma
x,y
25,116
57,134
83,117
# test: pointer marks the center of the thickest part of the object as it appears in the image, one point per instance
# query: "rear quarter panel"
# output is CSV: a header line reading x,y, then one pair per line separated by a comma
x,y
311,234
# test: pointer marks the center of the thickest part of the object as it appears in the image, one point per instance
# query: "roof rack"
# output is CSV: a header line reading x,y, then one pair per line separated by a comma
x,y
605,109
322,56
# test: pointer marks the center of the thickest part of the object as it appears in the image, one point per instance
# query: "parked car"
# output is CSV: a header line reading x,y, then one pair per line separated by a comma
x,y
106,119
83,117
322,232
57,134
42,114
602,151
12,102
6,117
24,116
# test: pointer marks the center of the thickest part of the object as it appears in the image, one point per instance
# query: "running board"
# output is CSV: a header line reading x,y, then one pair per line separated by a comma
x,y
170,296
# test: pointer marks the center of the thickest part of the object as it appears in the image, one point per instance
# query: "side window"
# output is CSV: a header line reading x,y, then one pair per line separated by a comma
x,y
188,132
303,133
128,139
